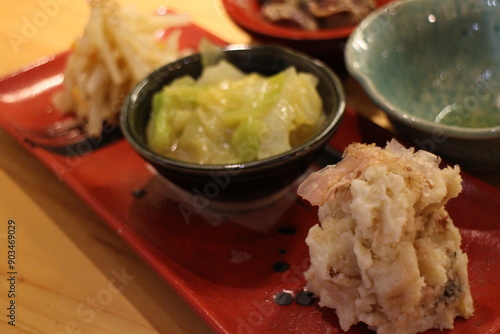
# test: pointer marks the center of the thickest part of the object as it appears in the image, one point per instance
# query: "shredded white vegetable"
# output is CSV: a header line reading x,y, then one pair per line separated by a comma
x,y
118,48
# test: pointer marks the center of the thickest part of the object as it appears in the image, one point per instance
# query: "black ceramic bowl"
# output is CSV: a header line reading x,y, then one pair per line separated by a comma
x,y
241,181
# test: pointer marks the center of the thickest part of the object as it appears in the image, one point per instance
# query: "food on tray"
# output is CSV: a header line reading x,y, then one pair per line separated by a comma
x,y
316,14
117,49
386,252
227,116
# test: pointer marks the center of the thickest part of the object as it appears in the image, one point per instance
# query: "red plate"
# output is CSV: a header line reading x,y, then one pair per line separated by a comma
x,y
225,270
247,14
326,45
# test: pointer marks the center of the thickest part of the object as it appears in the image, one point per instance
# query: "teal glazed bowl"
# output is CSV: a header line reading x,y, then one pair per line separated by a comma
x,y
242,182
434,68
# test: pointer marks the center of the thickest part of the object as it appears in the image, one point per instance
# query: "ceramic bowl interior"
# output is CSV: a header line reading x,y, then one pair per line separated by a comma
x,y
433,66
243,181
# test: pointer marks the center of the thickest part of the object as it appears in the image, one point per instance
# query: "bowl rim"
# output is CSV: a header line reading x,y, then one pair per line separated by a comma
x,y
144,150
242,13
388,107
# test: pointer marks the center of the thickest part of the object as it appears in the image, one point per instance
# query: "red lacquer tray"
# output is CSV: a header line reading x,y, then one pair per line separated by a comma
x,y
224,267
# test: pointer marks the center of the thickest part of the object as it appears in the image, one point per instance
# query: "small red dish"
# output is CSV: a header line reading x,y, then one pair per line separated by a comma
x,y
324,44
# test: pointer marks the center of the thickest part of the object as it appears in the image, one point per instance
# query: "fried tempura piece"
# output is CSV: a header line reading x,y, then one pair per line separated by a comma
x,y
386,252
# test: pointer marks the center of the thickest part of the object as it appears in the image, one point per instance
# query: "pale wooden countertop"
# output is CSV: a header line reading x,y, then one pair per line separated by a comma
x,y
66,255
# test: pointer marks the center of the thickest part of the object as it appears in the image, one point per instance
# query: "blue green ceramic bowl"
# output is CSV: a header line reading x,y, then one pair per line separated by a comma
x,y
434,68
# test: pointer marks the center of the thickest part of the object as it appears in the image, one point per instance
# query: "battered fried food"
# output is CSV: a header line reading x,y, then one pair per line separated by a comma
x,y
386,252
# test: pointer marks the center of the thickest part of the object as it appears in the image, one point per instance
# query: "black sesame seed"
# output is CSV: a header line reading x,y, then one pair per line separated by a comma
x,y
138,193
287,230
30,143
280,267
283,298
304,298
282,251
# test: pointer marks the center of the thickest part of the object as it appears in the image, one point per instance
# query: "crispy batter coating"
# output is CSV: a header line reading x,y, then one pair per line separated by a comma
x,y
386,252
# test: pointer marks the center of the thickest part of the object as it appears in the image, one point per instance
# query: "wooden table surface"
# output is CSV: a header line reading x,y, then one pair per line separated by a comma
x,y
68,261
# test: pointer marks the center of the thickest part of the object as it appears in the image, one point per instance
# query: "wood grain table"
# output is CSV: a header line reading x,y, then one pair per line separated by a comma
x,y
74,275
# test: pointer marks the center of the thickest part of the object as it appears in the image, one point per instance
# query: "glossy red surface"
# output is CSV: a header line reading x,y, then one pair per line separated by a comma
x,y
224,269
326,44
247,14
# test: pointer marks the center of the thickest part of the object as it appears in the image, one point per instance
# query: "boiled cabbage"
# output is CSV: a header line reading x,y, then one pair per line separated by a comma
x,y
227,116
